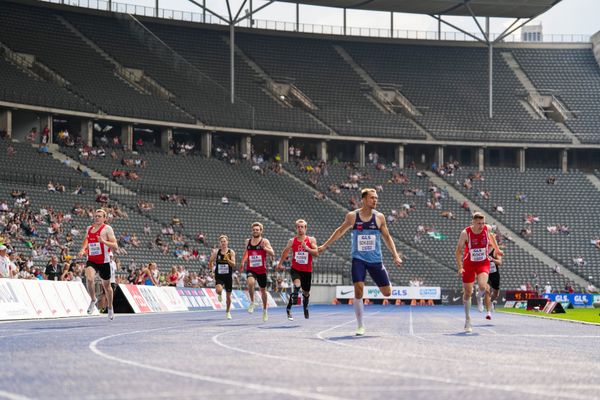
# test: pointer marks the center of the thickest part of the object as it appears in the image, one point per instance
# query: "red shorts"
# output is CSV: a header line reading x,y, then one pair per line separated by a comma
x,y
472,270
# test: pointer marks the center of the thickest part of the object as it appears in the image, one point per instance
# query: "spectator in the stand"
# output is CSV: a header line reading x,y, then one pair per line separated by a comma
x,y
53,270
172,278
224,200
557,269
548,288
569,288
551,180
590,286
181,275
150,275
32,135
45,135
6,269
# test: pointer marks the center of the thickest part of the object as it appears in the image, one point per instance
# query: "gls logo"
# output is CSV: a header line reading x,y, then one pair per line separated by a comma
x,y
581,299
562,298
399,292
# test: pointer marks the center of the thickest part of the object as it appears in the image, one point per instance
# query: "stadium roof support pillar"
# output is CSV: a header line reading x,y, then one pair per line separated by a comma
x,y
156,9
6,123
490,69
399,155
360,154
521,160
392,24
232,60
206,145
439,156
481,159
297,17
564,160
322,150
87,131
166,136
283,149
127,136
246,147
344,22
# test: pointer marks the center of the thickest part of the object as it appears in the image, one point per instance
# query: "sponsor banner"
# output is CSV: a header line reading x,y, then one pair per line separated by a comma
x,y
595,298
281,298
577,299
398,292
20,299
214,301
451,297
150,294
172,299
134,297
241,299
14,303
195,298
147,299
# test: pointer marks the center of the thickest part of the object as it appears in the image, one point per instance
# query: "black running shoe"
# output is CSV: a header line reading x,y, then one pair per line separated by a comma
x,y
306,312
289,314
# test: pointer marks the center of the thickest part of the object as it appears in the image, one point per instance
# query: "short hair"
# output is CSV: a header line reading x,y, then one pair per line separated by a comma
x,y
366,191
301,221
102,211
478,215
258,224
223,237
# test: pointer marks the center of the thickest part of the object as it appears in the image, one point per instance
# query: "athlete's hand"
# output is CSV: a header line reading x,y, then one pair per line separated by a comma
x,y
321,249
398,261
81,253
460,271
500,252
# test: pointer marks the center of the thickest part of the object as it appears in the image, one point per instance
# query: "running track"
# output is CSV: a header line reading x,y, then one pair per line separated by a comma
x,y
408,352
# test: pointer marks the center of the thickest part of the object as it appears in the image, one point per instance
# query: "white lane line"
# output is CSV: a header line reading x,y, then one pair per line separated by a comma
x,y
12,396
93,346
411,330
407,375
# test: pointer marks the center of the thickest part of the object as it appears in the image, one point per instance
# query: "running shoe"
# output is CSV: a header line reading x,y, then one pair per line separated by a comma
x,y
111,314
228,315
488,316
360,331
479,302
468,327
251,308
265,316
91,307
306,312
289,314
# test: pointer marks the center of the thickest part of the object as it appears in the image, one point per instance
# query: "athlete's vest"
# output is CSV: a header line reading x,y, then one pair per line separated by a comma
x,y
301,259
98,253
257,258
477,248
366,239
493,266
221,267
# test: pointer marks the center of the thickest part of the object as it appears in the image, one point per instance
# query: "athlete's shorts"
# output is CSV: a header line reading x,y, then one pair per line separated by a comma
x,y
494,280
471,271
260,278
305,279
225,280
377,272
102,269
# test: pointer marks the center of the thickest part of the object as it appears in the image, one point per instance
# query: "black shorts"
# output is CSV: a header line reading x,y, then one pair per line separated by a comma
x,y
102,269
260,278
225,280
494,280
305,279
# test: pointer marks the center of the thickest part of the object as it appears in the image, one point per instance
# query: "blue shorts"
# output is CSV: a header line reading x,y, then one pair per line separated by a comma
x,y
377,272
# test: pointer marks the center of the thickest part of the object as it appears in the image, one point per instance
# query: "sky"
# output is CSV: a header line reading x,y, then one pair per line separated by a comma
x,y
579,17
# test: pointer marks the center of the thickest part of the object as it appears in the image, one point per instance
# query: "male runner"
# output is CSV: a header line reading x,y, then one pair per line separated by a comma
x,y
99,241
224,258
257,249
494,278
303,248
472,260
368,227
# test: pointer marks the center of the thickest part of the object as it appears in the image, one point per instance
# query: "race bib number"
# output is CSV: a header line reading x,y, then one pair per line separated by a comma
x,y
493,268
301,257
365,243
94,249
255,261
478,254
222,269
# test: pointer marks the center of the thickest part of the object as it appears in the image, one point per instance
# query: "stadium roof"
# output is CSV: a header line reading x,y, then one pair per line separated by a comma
x,y
479,8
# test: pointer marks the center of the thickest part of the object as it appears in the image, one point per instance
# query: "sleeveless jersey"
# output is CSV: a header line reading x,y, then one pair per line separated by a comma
x,y
98,253
221,267
301,259
257,258
477,248
493,266
366,239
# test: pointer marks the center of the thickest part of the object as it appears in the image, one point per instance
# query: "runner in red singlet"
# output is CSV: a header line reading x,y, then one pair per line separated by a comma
x,y
303,248
472,260
257,250
98,243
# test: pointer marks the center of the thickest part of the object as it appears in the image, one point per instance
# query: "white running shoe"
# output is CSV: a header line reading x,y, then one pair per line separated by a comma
x,y
479,302
111,314
265,316
488,316
91,307
228,315
468,327
251,308
360,331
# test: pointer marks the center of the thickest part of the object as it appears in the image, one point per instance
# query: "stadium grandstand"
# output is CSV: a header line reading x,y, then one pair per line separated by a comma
x,y
187,126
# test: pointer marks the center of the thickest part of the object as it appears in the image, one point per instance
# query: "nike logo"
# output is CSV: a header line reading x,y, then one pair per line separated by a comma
x,y
348,292
455,298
